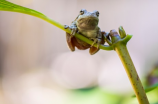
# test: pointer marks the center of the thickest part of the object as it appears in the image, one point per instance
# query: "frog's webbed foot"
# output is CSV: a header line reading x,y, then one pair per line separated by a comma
x,y
73,30
96,40
99,40
66,26
106,37
93,49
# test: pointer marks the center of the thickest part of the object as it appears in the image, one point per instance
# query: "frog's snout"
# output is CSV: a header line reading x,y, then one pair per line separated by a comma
x,y
92,14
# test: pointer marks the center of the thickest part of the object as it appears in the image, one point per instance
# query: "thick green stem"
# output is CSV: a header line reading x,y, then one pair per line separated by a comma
x,y
122,51
119,44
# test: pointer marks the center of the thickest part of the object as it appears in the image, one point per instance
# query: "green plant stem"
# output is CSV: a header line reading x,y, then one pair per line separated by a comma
x,y
122,51
119,44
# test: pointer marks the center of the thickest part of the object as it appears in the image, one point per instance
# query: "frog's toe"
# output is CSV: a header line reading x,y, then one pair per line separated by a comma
x,y
73,30
66,26
98,41
93,50
95,41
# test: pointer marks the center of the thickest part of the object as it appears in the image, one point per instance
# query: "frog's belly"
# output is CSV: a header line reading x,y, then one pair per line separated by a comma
x,y
89,33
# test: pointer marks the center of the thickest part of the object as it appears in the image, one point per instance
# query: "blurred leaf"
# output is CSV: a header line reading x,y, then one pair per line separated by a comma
x,y
147,89
85,89
93,95
8,6
152,77
152,80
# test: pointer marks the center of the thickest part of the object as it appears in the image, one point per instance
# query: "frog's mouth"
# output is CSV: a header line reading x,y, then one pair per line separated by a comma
x,y
89,23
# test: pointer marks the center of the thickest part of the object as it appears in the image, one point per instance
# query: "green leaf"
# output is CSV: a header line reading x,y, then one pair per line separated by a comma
x,y
8,6
152,87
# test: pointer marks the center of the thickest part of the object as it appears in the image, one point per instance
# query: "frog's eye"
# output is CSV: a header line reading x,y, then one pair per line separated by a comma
x,y
81,12
97,13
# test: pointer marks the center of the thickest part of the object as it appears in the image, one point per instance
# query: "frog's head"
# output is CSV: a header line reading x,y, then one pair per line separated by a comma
x,y
87,20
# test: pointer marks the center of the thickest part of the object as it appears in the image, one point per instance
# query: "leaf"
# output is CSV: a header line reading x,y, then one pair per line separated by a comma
x,y
152,87
8,6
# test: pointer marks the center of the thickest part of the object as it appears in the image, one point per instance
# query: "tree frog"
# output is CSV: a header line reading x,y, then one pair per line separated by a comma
x,y
85,24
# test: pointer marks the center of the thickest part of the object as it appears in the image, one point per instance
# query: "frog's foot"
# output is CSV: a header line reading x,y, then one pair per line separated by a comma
x,y
96,40
106,37
93,49
72,28
66,26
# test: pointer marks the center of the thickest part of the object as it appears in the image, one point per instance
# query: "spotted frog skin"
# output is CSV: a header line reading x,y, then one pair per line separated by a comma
x,y
85,24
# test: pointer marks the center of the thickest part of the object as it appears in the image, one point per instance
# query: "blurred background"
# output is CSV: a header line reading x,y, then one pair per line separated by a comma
x,y
37,67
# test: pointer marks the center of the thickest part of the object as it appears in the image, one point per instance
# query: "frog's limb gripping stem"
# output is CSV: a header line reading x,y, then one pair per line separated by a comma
x,y
72,28
106,37
94,41
97,40
66,26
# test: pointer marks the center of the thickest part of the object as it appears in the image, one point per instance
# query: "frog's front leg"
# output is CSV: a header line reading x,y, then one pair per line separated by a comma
x,y
73,28
106,37
70,37
99,40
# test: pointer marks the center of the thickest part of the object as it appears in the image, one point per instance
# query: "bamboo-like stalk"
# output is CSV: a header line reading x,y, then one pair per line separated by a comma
x,y
121,49
132,74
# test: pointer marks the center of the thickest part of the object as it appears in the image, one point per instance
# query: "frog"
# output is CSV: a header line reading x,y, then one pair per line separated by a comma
x,y
86,24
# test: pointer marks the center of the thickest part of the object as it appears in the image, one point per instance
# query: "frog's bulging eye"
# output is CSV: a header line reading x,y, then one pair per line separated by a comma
x,y
81,12
97,13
